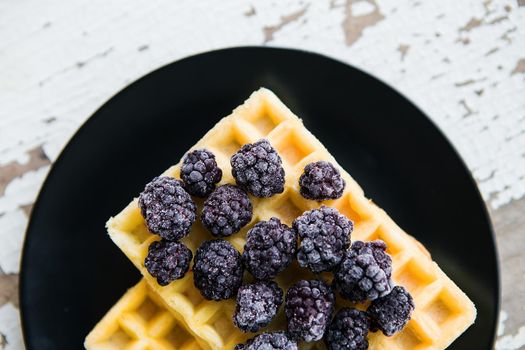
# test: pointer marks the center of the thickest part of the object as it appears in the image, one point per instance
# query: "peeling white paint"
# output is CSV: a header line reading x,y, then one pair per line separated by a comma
x,y
503,316
10,328
12,224
22,190
362,8
512,342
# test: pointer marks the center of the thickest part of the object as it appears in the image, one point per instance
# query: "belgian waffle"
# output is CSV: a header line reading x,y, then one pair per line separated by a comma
x,y
141,321
442,311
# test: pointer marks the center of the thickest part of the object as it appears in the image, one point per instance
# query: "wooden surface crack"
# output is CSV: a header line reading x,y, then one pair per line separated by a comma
x,y
9,289
269,31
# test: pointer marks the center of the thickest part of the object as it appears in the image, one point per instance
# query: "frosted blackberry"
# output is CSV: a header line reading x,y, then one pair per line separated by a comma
x,y
348,330
321,181
269,341
270,247
257,305
364,273
258,169
167,261
325,235
308,309
200,172
391,313
217,270
168,209
226,211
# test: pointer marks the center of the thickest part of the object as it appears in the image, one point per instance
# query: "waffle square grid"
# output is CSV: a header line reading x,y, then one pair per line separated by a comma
x,y
141,321
442,311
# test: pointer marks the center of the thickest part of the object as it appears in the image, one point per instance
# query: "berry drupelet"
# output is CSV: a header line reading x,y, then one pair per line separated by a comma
x,y
168,209
226,211
257,305
308,309
167,261
217,270
391,312
348,330
269,341
200,172
257,167
270,247
364,273
321,181
325,235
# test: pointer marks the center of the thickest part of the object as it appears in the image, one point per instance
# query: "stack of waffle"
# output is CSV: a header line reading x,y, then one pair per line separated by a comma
x,y
178,317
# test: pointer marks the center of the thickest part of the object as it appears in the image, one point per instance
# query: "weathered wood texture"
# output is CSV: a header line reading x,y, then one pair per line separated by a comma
x,y
462,62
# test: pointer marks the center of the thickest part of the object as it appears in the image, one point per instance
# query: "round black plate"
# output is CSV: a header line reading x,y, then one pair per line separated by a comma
x,y
71,271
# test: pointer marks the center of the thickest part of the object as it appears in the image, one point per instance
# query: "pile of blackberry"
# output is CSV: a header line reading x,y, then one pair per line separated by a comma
x,y
319,239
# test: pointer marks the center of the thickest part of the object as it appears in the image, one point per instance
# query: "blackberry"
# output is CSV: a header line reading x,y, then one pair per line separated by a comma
x,y
226,211
258,169
200,172
348,330
257,305
308,309
270,247
365,272
167,261
391,312
168,209
269,341
321,181
217,270
325,235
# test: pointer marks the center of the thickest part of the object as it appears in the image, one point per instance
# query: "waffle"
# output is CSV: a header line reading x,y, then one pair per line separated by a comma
x,y
141,321
442,311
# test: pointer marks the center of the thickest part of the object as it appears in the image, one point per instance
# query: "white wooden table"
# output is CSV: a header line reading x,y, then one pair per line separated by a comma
x,y
462,62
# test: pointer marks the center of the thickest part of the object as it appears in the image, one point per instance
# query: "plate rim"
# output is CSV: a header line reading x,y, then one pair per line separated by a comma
x,y
454,151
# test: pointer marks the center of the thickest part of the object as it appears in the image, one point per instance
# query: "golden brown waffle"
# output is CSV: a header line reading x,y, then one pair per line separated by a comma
x,y
442,311
140,321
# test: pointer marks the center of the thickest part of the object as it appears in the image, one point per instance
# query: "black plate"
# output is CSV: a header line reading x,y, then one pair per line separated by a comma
x,y
71,271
